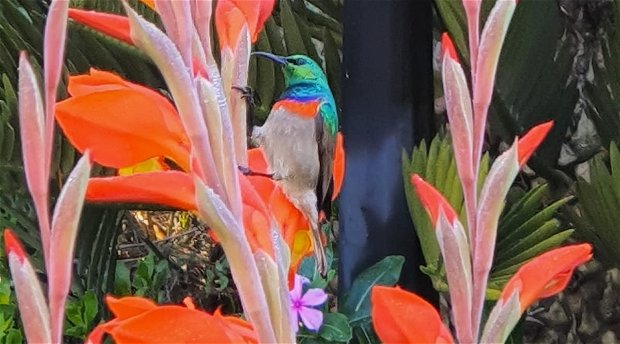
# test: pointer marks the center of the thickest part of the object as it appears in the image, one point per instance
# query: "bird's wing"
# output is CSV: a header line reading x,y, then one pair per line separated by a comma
x,y
326,143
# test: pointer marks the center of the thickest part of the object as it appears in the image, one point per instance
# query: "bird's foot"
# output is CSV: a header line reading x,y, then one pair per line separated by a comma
x,y
248,172
249,95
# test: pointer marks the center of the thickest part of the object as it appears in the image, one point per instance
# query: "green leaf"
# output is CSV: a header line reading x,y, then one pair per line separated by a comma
x,y
356,302
122,281
13,336
335,328
292,34
596,218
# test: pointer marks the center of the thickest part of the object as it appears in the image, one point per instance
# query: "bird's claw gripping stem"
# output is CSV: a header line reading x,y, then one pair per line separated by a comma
x,y
248,172
249,95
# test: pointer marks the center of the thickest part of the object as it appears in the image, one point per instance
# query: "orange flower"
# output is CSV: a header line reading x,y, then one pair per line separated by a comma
x,y
399,316
122,123
139,320
546,275
231,15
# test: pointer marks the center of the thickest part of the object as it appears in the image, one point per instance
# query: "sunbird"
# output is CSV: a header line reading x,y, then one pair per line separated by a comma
x,y
298,139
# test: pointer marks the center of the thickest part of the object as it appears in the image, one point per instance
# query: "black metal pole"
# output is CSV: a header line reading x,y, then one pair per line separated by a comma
x,y
387,107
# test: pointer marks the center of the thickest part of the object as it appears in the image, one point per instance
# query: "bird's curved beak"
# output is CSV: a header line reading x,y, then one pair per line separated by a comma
x,y
275,58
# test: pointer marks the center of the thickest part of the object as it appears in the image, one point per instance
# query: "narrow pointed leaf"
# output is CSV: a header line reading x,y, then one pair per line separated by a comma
x,y
455,251
238,105
242,265
460,116
501,321
491,42
279,307
53,54
177,19
64,232
32,123
502,173
221,139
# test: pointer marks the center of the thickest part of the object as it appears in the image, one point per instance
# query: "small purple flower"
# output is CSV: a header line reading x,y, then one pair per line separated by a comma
x,y
301,305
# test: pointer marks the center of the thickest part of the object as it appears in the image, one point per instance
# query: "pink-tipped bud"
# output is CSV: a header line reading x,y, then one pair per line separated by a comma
x,y
12,245
432,200
199,69
530,141
447,47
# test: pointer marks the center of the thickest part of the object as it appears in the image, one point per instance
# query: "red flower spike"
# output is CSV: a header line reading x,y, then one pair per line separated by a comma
x,y
399,316
12,245
432,200
530,141
110,24
546,275
447,47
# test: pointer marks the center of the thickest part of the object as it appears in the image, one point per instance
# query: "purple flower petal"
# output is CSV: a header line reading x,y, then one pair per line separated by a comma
x,y
314,297
294,320
312,318
297,288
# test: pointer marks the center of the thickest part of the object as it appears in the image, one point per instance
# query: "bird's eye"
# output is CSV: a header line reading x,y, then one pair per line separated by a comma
x,y
300,62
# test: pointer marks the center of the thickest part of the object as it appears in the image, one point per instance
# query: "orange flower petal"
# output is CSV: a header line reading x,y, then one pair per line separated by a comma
x,y
173,324
139,320
228,21
547,274
402,317
171,188
447,47
257,219
231,15
530,141
238,326
124,126
111,24
339,163
432,200
128,307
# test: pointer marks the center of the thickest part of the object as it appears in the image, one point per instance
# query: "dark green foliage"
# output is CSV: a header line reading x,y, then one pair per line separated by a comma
x,y
355,304
146,280
80,315
599,200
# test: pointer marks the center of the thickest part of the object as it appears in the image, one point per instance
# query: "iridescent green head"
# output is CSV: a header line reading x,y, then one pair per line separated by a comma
x,y
297,69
